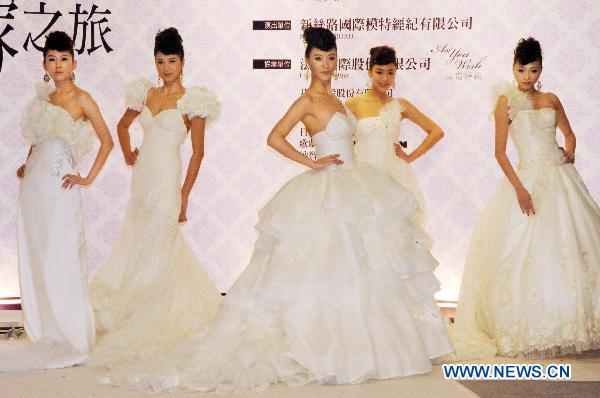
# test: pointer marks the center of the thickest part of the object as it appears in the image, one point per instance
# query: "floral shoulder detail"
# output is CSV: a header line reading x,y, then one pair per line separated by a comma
x,y
136,92
200,102
517,100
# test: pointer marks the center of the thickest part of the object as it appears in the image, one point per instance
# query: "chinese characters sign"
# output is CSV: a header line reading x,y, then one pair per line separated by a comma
x,y
90,28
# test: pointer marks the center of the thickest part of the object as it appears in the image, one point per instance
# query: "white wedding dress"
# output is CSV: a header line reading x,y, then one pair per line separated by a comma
x,y
531,284
339,289
57,315
375,137
152,291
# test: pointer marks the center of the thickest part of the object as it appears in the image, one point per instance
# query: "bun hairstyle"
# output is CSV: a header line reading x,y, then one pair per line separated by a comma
x,y
58,41
168,41
528,51
320,38
382,55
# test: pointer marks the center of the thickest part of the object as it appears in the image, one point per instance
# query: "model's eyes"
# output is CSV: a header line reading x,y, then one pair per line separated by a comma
x,y
332,58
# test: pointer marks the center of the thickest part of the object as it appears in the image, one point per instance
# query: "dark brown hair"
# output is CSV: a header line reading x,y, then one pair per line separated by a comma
x,y
58,41
527,51
382,55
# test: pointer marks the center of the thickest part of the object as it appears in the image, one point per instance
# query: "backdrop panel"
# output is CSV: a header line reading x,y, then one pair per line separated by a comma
x,y
251,55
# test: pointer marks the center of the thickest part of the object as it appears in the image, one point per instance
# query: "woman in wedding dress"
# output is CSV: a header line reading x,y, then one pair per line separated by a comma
x,y
152,291
530,286
340,286
378,125
60,125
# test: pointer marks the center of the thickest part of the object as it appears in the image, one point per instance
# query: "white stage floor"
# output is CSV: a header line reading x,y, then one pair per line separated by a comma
x,y
82,381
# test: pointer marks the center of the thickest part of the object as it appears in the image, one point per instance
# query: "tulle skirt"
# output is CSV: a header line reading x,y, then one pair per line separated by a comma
x,y
339,289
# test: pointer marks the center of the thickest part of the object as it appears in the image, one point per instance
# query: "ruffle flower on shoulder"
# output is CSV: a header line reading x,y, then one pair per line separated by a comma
x,y
392,111
42,120
517,99
201,102
135,93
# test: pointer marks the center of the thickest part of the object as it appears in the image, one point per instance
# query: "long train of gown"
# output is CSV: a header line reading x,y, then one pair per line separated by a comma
x,y
375,138
339,289
531,284
152,291
57,315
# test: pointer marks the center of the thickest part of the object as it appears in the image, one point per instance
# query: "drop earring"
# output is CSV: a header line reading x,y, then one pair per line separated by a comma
x,y
181,77
538,85
73,76
46,78
158,81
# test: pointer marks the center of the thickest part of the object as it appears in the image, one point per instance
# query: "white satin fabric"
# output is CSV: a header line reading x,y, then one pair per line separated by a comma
x,y
57,315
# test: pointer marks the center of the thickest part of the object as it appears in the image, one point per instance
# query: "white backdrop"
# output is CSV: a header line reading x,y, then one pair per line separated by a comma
x,y
239,173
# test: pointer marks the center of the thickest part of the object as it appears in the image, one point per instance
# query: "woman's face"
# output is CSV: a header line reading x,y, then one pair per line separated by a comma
x,y
383,77
59,65
527,75
169,67
322,64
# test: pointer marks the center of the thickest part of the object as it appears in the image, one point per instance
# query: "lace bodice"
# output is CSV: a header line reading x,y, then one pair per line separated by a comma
x,y
533,131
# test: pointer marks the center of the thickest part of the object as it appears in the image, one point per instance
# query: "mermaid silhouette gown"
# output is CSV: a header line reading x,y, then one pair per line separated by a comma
x,y
152,291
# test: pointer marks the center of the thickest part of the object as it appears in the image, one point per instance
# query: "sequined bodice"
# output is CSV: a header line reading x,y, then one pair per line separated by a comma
x,y
533,132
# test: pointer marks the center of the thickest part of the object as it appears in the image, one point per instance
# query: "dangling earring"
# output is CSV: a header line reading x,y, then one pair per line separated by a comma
x,y
73,76
46,78
336,75
307,74
538,85
181,77
158,81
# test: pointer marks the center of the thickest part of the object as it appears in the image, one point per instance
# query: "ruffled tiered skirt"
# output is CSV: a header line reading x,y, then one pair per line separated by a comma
x,y
339,289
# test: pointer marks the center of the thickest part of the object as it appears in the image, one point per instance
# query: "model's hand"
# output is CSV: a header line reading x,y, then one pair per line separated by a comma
x,y
401,154
131,158
183,211
326,161
525,202
70,180
21,171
